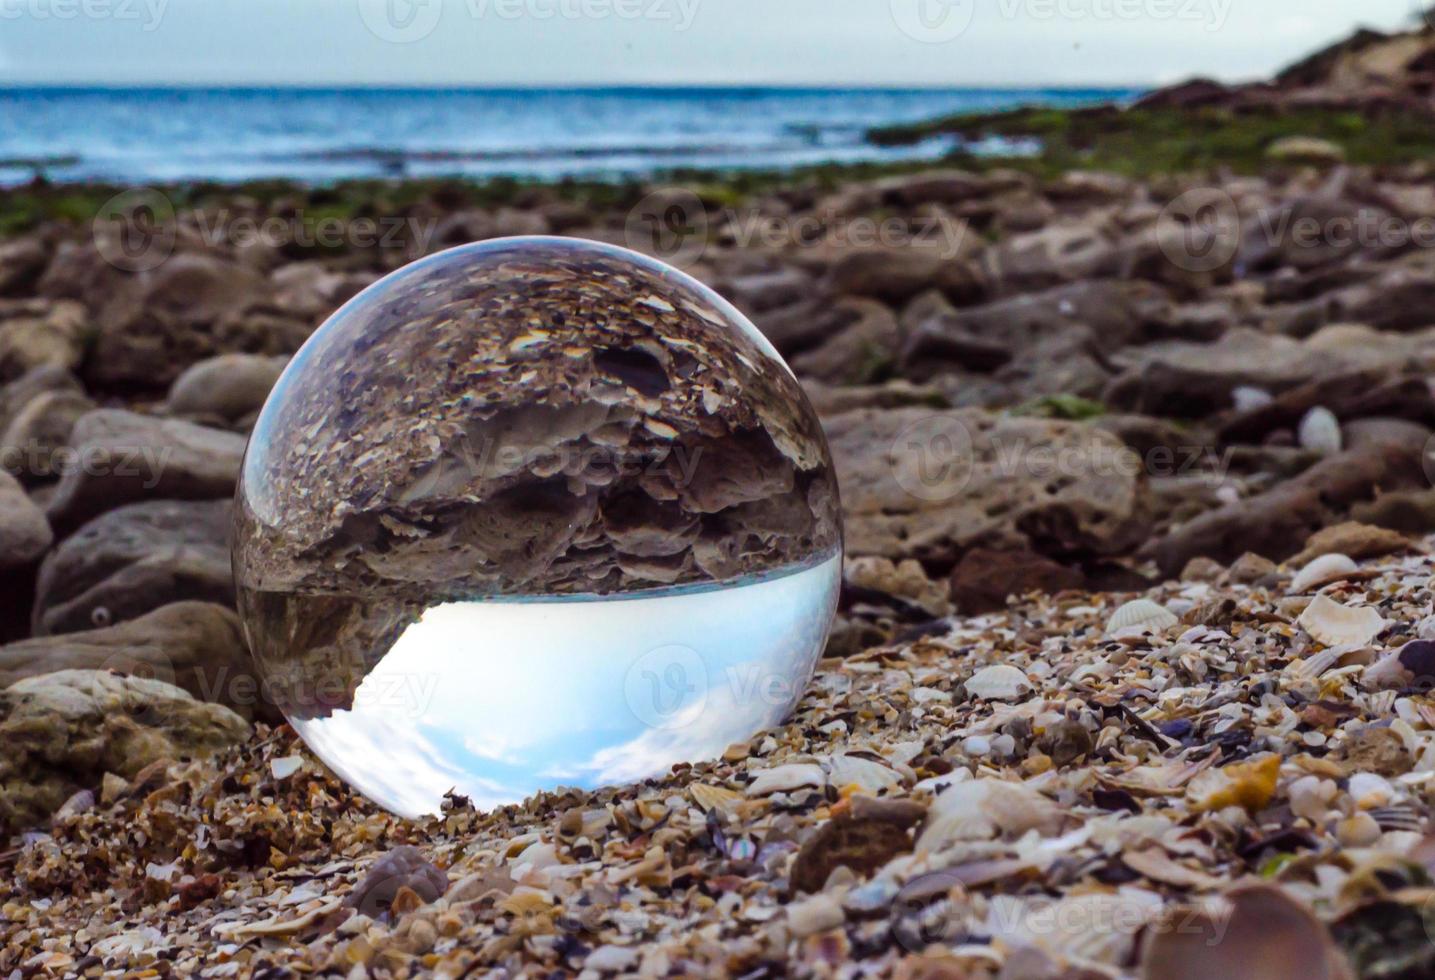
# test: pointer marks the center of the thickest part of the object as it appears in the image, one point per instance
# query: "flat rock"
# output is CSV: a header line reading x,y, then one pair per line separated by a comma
x,y
897,274
193,645
1189,380
1059,253
925,484
126,457
987,336
63,731
1274,523
985,578
133,560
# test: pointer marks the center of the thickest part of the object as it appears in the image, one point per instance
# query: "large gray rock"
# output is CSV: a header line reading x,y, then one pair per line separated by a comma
x,y
24,532
1115,313
33,442
932,484
132,560
898,273
193,645
1189,380
123,457
22,261
1060,253
63,731
863,348
1276,523
40,333
228,387
153,323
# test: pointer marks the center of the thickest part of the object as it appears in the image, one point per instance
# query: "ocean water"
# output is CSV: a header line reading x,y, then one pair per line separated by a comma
x,y
499,699
161,135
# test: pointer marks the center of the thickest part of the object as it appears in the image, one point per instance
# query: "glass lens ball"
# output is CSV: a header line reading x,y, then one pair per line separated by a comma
x,y
530,513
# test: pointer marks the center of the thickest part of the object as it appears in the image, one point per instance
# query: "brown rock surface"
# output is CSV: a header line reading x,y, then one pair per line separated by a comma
x,y
193,645
65,730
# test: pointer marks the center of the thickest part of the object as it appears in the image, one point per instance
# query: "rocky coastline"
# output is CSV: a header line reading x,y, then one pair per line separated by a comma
x,y
1131,675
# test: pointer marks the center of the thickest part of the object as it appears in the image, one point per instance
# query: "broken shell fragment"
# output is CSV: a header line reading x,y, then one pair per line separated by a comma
x,y
1334,624
984,808
1320,431
1322,571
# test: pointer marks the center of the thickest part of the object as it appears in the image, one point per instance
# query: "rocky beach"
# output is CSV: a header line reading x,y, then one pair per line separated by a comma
x,y
1131,676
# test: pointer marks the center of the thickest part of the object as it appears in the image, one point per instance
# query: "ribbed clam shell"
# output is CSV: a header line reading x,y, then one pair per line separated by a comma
x,y
1143,614
999,682
1322,571
1320,431
1338,625
709,797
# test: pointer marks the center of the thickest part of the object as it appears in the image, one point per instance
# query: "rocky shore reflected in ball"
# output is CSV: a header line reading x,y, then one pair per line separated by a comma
x,y
532,513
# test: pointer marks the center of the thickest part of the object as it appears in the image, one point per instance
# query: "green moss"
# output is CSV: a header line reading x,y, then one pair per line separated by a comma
x,y
1144,142
1072,408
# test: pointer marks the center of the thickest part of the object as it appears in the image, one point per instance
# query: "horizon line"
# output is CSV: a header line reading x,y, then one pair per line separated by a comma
x,y
20,86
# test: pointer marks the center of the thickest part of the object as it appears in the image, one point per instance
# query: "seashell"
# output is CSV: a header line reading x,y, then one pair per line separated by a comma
x,y
286,766
983,808
1320,431
851,770
709,797
1248,398
1358,830
999,682
1322,571
1311,797
784,779
1338,625
1402,817
1249,784
1370,790
1143,614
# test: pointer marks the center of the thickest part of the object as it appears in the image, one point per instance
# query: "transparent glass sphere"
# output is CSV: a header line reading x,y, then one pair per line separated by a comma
x,y
529,513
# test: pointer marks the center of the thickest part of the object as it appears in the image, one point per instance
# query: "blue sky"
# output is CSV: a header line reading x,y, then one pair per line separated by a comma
x,y
667,42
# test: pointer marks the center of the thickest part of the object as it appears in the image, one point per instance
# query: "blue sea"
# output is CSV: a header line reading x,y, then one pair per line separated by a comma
x,y
323,135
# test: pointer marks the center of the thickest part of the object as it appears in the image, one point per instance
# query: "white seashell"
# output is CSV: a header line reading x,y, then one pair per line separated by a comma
x,y
999,682
1336,625
1143,614
871,777
1320,431
983,808
1369,790
784,779
1321,571
1248,399
1311,797
287,766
